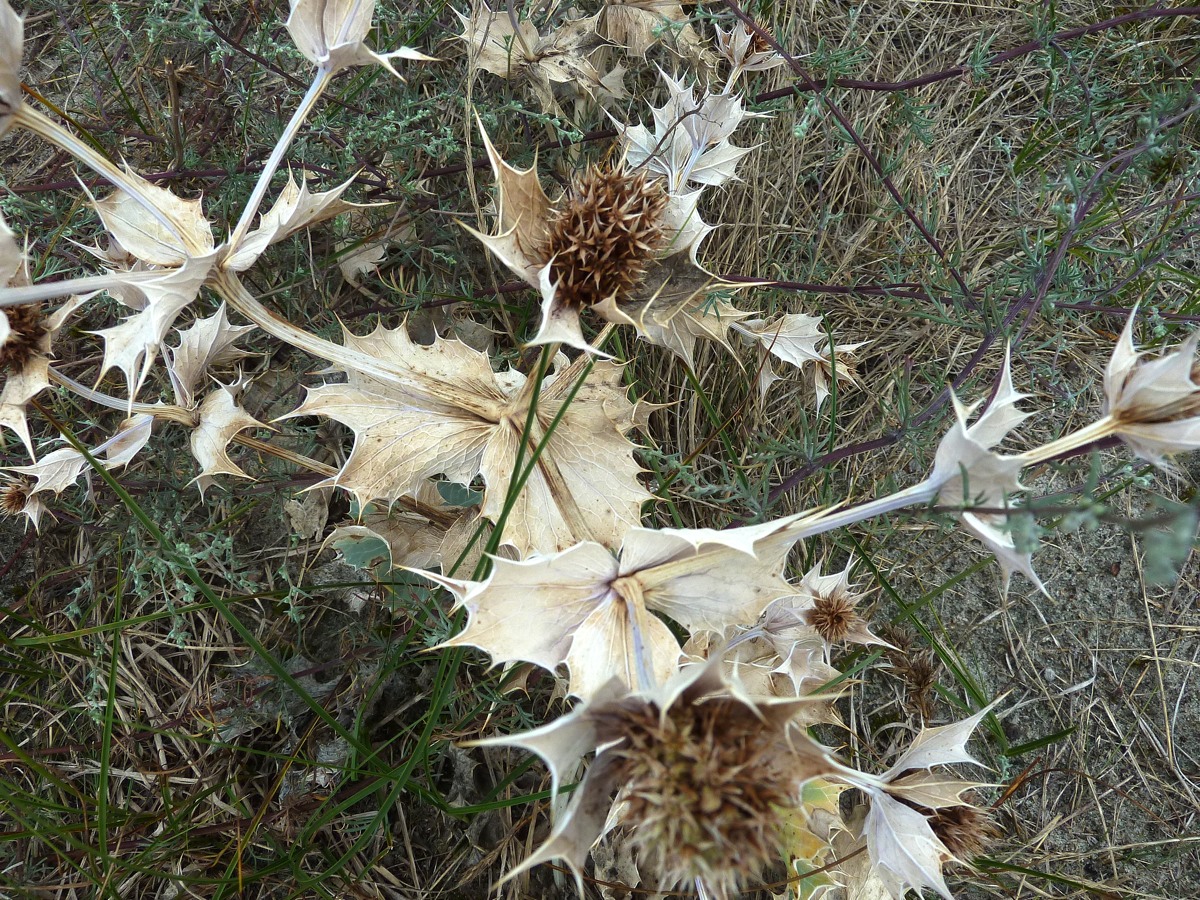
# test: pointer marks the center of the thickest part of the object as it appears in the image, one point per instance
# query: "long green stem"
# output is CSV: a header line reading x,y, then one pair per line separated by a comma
x,y
312,95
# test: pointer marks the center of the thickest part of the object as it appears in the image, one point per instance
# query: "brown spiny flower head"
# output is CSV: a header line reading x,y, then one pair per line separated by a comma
x,y
605,233
918,669
834,616
831,607
965,830
14,494
27,329
705,786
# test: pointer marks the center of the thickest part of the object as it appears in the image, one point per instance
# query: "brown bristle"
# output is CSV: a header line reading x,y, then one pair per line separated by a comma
x,y
918,669
27,328
605,234
833,617
14,493
965,830
704,787
759,44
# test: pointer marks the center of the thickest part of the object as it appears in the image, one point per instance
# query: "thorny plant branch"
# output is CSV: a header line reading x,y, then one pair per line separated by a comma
x,y
1027,303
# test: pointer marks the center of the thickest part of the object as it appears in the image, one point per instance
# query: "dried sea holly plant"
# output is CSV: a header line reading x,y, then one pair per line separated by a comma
x,y
694,663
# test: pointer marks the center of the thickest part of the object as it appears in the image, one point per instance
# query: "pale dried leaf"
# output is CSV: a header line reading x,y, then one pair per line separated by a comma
x,y
307,516
967,470
357,261
931,789
941,746
452,416
332,35
294,209
496,46
220,419
176,232
54,472
12,32
1153,401
690,140
903,848
12,259
695,321
591,610
638,25
523,213
738,48
206,344
133,345
132,435
792,337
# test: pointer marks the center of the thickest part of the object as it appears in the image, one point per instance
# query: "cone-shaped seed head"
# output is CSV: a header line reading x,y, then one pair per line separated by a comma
x,y
605,233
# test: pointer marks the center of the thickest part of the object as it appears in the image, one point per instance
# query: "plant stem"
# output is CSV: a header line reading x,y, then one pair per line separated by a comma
x,y
312,95
89,284
810,526
1073,440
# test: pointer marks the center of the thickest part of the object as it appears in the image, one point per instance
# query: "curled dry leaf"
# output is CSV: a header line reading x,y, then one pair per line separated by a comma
x,y
173,244
594,611
332,35
565,57
638,25
452,416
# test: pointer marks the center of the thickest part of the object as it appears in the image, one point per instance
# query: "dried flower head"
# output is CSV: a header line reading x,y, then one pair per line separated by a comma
x,y
703,777
618,234
706,786
14,494
919,671
965,830
830,607
605,234
834,617
26,332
